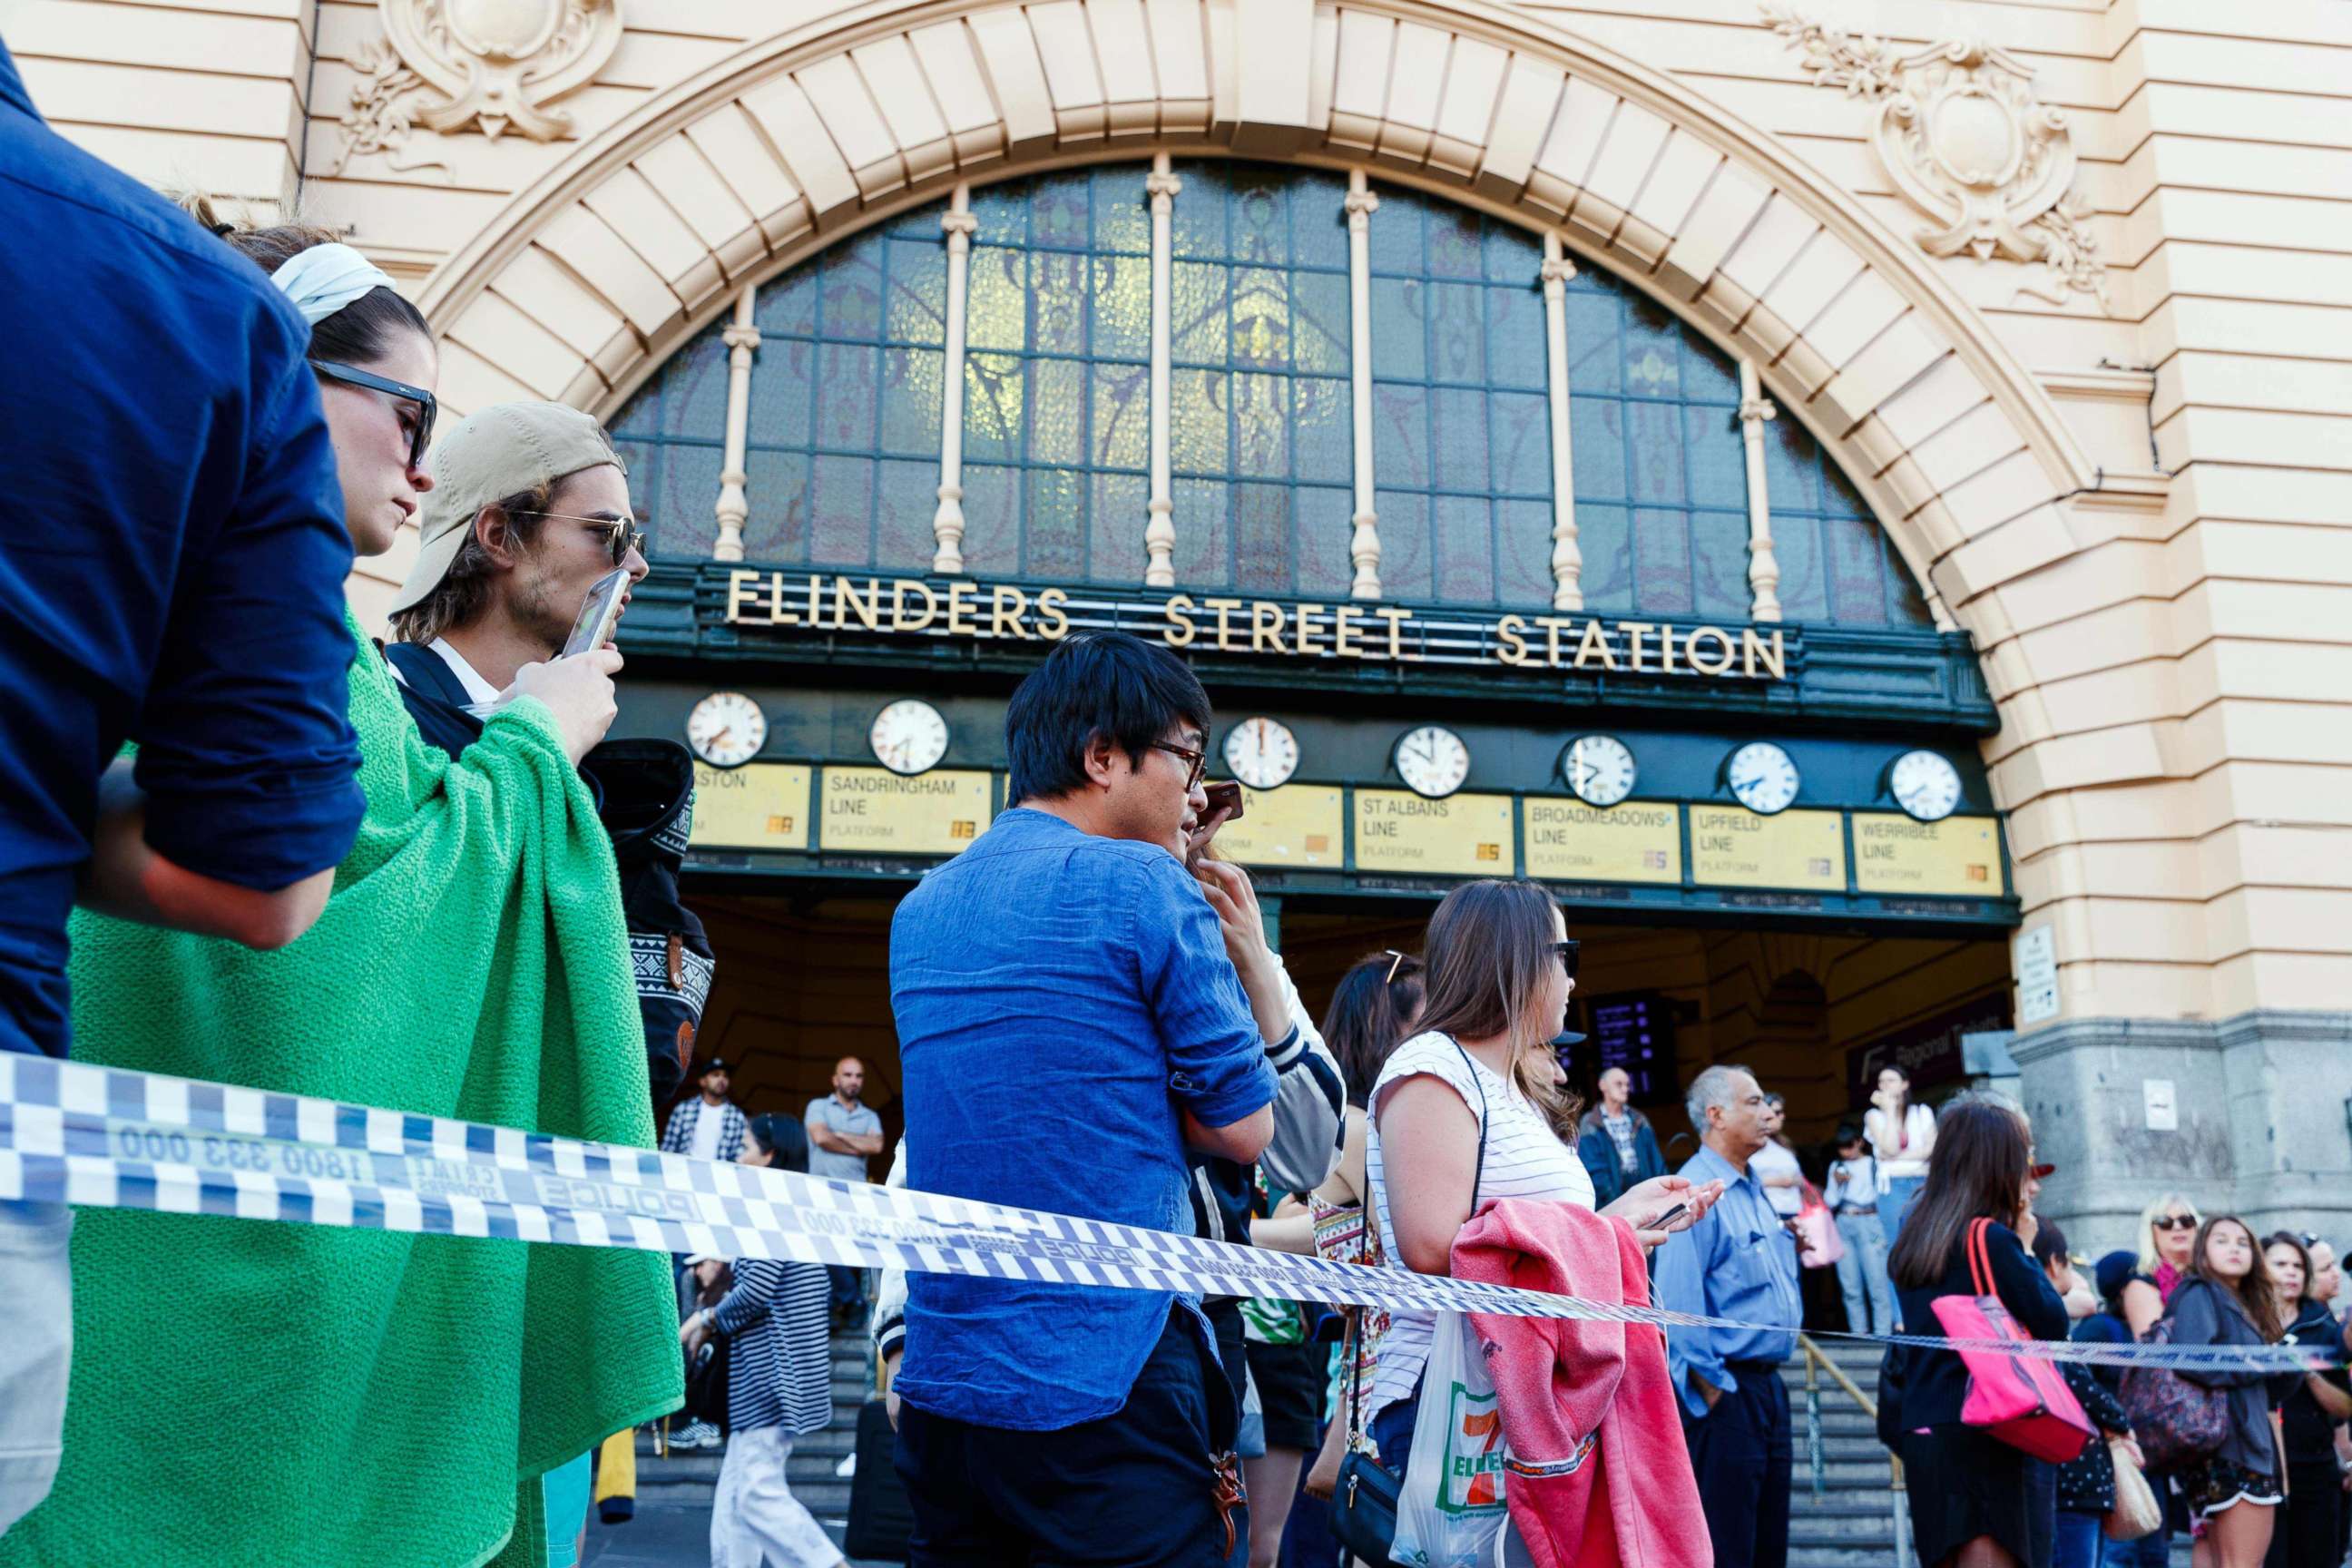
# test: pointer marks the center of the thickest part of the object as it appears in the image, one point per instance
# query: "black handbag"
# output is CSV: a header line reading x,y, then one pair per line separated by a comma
x,y
880,1517
1364,1499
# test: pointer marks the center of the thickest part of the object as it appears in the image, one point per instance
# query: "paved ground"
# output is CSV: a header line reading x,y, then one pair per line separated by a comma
x,y
663,1535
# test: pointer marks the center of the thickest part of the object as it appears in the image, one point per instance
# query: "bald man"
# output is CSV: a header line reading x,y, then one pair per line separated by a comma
x,y
844,1133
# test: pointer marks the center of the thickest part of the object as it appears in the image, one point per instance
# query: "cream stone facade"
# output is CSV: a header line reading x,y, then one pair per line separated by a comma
x,y
2084,342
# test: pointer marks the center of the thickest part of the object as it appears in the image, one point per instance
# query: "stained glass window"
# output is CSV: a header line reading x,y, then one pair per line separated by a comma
x,y
846,391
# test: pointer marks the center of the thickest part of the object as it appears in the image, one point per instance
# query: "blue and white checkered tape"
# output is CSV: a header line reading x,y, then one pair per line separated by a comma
x,y
110,1137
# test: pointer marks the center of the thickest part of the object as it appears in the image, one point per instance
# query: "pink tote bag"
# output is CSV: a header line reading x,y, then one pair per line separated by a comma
x,y
2023,1402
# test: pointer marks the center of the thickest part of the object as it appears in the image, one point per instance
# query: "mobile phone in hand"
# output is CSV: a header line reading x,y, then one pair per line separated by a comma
x,y
1666,1220
592,627
1225,797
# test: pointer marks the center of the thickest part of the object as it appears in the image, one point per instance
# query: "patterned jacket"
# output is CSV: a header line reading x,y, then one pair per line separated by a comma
x,y
678,1138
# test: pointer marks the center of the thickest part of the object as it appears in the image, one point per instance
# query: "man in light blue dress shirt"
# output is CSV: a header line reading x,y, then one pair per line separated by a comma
x,y
1739,1262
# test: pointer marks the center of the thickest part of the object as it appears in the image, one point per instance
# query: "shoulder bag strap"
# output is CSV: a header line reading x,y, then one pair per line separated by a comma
x,y
1980,1258
1478,1172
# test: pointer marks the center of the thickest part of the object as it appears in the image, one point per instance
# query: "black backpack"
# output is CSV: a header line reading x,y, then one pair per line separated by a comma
x,y
646,804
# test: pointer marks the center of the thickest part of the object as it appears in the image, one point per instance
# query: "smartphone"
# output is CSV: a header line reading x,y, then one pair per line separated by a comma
x,y
1225,797
1666,1221
593,626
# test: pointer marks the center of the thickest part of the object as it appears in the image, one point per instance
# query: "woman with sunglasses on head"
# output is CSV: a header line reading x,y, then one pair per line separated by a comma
x,y
2225,1296
1474,1107
2167,1230
2311,1406
468,963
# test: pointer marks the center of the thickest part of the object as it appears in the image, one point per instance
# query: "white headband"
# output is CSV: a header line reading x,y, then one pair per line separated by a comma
x,y
324,279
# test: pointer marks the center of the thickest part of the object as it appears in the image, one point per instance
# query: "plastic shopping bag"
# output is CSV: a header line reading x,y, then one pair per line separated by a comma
x,y
1451,1509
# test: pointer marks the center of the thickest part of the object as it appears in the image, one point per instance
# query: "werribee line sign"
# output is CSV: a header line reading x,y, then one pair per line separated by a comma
x,y
1380,632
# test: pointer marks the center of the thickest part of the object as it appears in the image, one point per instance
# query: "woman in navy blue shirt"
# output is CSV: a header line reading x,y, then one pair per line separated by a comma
x,y
1970,1505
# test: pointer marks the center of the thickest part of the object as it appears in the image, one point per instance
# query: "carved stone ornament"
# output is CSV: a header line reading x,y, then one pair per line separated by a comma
x,y
496,64
1966,143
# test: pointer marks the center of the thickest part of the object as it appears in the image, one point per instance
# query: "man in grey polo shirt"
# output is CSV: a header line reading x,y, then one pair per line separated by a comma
x,y
844,1133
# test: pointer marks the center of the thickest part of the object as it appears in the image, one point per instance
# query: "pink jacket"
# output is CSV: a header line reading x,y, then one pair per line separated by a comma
x,y
1598,1475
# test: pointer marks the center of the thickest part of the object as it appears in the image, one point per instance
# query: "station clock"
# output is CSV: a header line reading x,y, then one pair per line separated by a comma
x,y
726,728
1432,761
1598,770
1262,752
1762,777
1925,786
909,737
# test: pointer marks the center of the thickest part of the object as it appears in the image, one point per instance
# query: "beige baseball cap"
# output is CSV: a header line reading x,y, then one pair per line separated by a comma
x,y
500,451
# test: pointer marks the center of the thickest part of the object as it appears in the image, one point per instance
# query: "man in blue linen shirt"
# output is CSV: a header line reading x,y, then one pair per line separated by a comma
x,y
1069,1025
171,573
1739,1262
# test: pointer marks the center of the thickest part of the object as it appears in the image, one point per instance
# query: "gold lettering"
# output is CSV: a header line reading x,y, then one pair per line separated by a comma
x,y
1049,602
1181,630
1553,626
898,621
1223,608
1513,648
961,609
1396,620
1265,628
777,615
1752,649
1006,606
1309,630
735,594
1344,632
816,586
1722,640
1634,632
1666,648
845,600
1595,641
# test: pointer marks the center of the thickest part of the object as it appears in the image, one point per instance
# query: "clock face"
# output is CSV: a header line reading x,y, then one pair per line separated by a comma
x,y
1597,769
1762,777
1925,786
726,728
1432,760
1262,752
909,737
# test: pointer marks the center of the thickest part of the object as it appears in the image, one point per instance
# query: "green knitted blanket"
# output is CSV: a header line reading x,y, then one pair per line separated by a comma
x,y
254,1394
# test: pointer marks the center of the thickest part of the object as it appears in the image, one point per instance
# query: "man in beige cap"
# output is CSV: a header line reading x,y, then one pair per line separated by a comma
x,y
529,506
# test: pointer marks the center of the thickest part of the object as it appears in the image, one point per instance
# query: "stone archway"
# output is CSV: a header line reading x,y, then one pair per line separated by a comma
x,y
593,275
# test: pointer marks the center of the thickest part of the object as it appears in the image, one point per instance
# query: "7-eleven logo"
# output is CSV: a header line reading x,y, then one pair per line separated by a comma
x,y
1473,1454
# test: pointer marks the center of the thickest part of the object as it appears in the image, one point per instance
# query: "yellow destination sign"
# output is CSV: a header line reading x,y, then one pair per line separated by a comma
x,y
1959,856
1636,841
874,811
1735,848
1461,836
760,806
1297,824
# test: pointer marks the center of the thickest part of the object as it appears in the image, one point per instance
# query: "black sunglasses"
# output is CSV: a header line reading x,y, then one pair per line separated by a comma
x,y
621,535
1567,951
2174,1222
420,435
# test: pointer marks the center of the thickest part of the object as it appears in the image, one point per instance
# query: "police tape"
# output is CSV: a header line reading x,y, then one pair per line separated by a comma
x,y
110,1137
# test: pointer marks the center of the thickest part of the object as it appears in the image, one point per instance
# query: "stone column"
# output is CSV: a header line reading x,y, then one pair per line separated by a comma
x,y
947,523
734,506
1364,543
1763,566
1160,533
1567,559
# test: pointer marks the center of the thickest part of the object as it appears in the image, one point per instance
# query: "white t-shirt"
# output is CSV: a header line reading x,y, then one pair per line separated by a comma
x,y
1525,1159
707,1127
1918,1128
1777,1160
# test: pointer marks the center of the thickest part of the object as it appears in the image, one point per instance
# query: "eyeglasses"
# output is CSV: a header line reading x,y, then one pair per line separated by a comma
x,y
420,435
1567,951
621,535
1196,761
2174,1222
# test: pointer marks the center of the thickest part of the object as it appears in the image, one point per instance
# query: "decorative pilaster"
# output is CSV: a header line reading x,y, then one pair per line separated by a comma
x,y
1364,544
1160,533
1566,558
741,338
1763,566
947,523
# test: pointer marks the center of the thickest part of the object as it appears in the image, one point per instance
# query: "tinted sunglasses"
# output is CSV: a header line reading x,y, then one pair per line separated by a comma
x,y
420,435
1567,951
621,535
2173,1222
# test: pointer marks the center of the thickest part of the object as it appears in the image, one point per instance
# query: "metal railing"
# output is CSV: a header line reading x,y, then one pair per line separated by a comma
x,y
1816,1362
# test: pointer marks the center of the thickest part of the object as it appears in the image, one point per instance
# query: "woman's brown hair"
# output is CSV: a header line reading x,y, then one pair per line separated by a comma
x,y
1979,1173
1367,1018
2256,1292
362,331
1490,948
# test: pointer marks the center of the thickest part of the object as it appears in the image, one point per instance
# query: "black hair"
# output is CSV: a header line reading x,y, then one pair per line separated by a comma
x,y
361,332
1847,1132
1102,685
784,1138
2049,1243
1979,1173
1366,1019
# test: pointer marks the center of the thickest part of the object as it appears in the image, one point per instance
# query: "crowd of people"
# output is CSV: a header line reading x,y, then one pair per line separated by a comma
x,y
243,842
